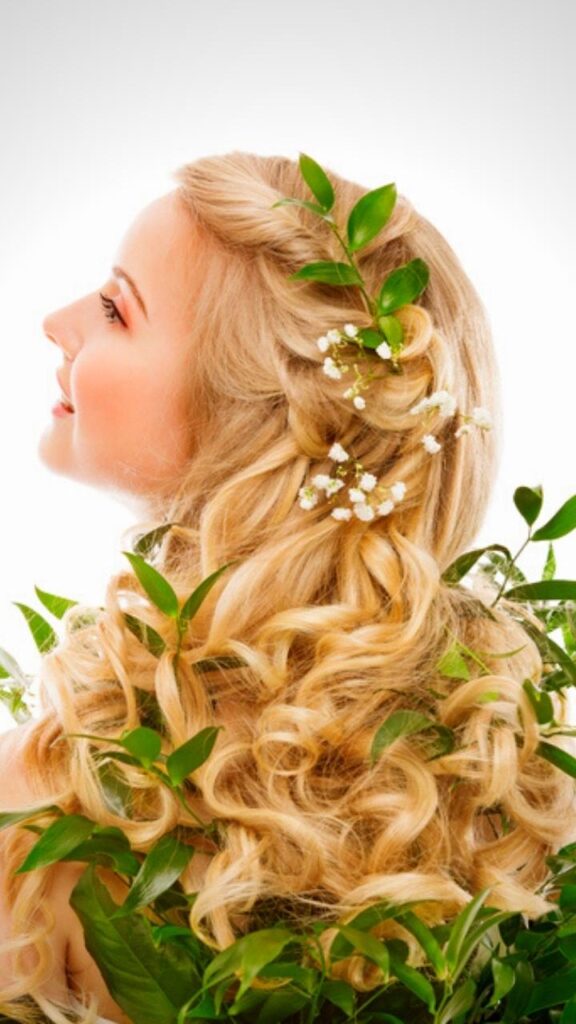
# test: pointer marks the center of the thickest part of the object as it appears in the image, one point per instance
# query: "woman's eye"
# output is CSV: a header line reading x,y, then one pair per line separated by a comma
x,y
111,310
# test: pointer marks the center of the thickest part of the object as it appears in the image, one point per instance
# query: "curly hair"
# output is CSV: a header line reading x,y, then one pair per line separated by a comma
x,y
337,624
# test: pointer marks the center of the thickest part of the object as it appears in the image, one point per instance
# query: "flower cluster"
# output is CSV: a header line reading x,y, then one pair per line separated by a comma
x,y
334,366
367,499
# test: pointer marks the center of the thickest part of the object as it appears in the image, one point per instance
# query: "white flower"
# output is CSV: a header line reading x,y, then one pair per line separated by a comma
x,y
443,400
338,453
341,513
321,480
349,393
334,485
431,444
333,335
359,402
384,350
363,511
398,490
330,369
351,330
323,343
356,494
367,482
466,428
308,497
420,406
385,508
481,417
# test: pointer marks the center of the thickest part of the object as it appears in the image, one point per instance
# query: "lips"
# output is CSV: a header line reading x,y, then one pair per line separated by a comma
x,y
65,396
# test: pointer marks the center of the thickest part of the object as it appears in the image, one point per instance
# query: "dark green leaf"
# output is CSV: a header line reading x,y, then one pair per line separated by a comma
x,y
462,565
246,957
327,272
528,501
317,181
427,940
371,339
552,991
145,634
9,818
163,865
540,701
504,977
402,286
392,330
407,723
280,1005
158,589
58,840
147,983
219,661
550,650
561,523
543,590
143,743
558,757
414,981
198,595
340,994
459,1003
187,758
56,605
369,215
109,847
369,946
148,542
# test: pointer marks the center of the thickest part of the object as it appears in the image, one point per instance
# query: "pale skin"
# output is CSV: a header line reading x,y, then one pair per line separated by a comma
x,y
126,375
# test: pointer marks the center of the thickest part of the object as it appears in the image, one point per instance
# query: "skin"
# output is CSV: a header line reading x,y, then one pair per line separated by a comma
x,y
132,427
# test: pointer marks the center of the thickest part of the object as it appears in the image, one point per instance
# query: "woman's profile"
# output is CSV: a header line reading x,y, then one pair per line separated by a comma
x,y
194,386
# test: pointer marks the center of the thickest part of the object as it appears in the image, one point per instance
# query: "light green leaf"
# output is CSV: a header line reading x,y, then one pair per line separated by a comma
x,y
327,272
56,605
163,865
9,818
369,215
42,633
401,724
143,743
462,565
403,286
561,523
188,757
427,940
459,1003
317,180
528,501
158,589
369,946
392,330
452,664
305,204
58,840
198,595
504,978
549,570
246,957
460,928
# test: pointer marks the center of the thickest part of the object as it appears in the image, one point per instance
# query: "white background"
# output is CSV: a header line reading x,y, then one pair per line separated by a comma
x,y
469,107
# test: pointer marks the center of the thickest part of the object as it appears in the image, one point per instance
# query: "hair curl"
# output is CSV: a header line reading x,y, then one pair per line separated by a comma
x,y
338,624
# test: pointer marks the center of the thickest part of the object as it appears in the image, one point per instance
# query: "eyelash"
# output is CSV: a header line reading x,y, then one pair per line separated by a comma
x,y
111,310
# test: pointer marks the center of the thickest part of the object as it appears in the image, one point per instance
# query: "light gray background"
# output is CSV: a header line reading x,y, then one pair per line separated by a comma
x,y
468,107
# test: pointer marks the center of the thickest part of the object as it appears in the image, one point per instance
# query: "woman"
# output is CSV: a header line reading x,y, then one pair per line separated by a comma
x,y
198,394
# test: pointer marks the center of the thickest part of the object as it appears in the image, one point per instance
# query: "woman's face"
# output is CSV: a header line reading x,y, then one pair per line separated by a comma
x,y
126,357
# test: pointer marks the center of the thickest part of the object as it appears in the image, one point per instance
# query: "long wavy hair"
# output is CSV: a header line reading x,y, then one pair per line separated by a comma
x,y
338,624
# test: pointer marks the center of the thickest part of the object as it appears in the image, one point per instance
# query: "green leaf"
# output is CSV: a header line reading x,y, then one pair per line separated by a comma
x,y
370,338
305,204
414,981
9,818
460,928
402,286
540,701
544,590
163,866
561,523
550,650
280,1005
42,633
459,1003
58,840
369,215
327,272
148,542
147,983
392,330
145,634
107,846
452,664
11,668
143,743
552,990
558,757
369,946
219,661
528,501
56,605
406,723
198,595
246,957
549,570
427,940
462,565
340,994
317,181
158,589
504,977
188,757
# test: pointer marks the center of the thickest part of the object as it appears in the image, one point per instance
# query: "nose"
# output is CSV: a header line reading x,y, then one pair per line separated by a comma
x,y
54,328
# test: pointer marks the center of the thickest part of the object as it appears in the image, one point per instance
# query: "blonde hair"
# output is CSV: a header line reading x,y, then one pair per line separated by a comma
x,y
338,624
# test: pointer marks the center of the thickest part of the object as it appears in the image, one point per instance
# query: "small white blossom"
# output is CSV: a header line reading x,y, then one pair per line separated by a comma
x,y
341,513
385,507
349,393
367,482
466,428
384,350
363,511
308,497
321,480
481,417
338,453
359,402
333,485
330,369
420,407
398,490
323,343
431,444
356,494
351,330
443,400
333,335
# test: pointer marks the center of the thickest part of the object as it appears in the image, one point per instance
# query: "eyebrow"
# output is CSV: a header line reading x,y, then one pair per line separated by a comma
x,y
122,273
